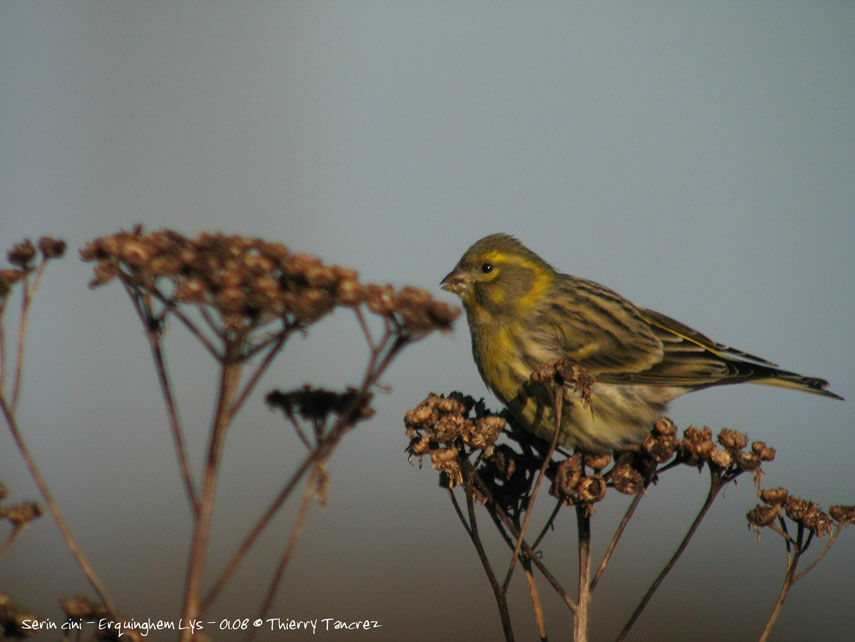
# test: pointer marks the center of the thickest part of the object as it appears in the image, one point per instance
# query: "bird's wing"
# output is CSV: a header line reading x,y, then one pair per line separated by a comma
x,y
596,328
692,359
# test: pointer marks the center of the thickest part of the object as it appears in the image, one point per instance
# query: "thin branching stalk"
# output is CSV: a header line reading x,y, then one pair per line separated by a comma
x,y
296,530
257,529
28,293
822,553
717,482
615,538
535,600
498,592
281,337
229,380
17,531
373,372
53,507
581,621
503,519
174,420
789,580
557,406
548,524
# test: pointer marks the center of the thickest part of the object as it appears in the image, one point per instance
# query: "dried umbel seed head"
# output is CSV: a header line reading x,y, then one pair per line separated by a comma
x,y
660,447
445,461
22,514
732,439
764,452
484,432
665,427
626,478
797,507
696,446
317,403
597,461
51,248
380,299
720,457
844,514
504,461
747,461
774,496
249,283
424,415
818,521
22,253
592,489
762,515
567,478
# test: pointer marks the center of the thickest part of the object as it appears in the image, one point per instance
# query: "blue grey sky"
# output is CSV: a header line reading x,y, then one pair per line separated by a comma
x,y
699,158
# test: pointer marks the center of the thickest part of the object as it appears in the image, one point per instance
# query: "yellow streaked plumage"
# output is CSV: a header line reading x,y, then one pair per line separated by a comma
x,y
522,313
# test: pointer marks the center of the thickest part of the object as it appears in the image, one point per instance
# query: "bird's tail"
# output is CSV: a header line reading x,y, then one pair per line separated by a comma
x,y
785,379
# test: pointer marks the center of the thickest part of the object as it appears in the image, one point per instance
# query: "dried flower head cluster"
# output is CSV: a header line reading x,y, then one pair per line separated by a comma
x,y
442,428
561,372
248,281
19,515
316,404
22,257
778,503
698,448
12,618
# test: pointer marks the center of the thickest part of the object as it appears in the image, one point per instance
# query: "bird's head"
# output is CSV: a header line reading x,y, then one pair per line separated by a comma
x,y
498,275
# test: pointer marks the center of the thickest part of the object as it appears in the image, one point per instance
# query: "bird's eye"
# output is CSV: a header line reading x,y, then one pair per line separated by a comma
x,y
486,268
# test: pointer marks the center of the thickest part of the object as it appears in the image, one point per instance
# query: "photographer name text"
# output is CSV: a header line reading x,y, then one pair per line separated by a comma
x,y
132,627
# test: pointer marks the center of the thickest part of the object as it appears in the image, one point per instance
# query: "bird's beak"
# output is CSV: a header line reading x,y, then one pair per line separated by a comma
x,y
453,282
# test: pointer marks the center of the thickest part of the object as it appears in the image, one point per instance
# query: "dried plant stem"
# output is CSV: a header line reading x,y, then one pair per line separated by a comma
x,y
53,507
717,482
229,380
535,600
296,530
257,529
789,580
581,620
502,519
822,553
14,535
557,406
498,592
281,337
174,420
2,347
29,293
613,543
373,372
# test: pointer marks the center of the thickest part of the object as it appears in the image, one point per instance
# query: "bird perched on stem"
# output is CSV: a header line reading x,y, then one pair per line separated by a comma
x,y
523,313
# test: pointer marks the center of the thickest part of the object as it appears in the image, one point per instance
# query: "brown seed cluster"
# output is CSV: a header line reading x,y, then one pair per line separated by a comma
x,y
13,618
22,255
317,404
698,448
21,514
778,502
573,486
248,281
442,428
560,372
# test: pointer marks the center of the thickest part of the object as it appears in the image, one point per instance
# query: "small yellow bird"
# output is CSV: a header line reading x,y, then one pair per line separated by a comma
x,y
523,313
